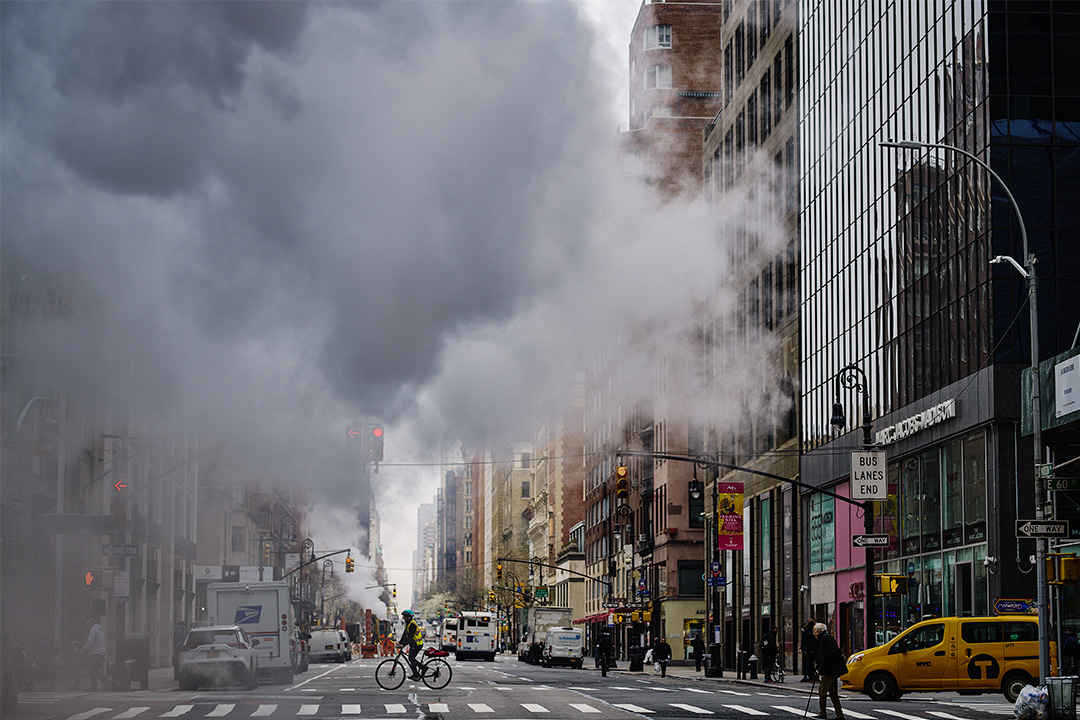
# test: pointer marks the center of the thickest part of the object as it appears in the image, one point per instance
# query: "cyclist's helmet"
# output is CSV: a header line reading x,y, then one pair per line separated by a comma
x,y
406,613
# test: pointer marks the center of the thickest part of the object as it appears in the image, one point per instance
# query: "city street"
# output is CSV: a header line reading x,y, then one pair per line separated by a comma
x,y
502,690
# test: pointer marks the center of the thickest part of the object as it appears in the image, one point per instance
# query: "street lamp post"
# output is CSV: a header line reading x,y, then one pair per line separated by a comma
x,y
853,378
716,611
1027,271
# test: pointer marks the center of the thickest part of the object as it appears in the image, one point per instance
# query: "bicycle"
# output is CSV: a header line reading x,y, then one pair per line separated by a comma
x,y
434,671
777,672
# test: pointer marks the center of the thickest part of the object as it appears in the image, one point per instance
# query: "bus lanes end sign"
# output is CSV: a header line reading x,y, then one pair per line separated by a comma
x,y
868,475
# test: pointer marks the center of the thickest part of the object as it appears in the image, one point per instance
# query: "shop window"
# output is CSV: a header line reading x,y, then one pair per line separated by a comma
x,y
691,583
975,488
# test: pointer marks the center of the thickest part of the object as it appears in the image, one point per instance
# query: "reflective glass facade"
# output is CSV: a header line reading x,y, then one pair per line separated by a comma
x,y
894,270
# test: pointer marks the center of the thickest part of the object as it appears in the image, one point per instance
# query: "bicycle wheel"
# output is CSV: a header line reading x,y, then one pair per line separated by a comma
x,y
437,673
390,674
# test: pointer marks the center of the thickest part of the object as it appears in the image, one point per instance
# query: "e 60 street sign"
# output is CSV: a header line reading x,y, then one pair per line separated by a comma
x,y
868,476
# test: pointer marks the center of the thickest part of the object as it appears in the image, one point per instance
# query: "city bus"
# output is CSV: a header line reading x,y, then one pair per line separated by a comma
x,y
477,636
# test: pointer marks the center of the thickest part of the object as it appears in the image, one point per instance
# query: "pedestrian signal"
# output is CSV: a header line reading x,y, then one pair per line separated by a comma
x,y
892,584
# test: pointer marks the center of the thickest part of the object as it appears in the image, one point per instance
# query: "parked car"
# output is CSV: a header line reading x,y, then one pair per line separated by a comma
x,y
326,646
218,655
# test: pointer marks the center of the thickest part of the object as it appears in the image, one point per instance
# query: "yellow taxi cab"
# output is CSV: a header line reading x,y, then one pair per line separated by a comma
x,y
969,655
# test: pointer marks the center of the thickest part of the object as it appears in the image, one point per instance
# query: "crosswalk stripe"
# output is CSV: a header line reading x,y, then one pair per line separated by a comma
x,y
697,690
130,713
584,708
264,710
307,710
894,713
395,709
350,709
859,715
89,713
633,708
438,707
692,708
534,708
801,712
480,707
735,692
177,711
744,709
347,690
221,710
945,715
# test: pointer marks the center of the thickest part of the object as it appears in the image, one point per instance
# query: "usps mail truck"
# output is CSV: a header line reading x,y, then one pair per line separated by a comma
x,y
264,612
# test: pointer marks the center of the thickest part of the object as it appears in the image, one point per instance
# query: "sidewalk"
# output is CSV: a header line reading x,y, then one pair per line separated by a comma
x,y
32,707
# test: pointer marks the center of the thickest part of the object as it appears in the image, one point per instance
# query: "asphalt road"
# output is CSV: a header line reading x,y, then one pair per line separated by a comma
x,y
503,690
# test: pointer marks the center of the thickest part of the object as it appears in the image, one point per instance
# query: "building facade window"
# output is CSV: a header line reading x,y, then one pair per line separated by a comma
x,y
657,36
238,538
691,581
822,533
657,77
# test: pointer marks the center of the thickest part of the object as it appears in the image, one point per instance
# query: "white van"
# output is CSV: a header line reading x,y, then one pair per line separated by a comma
x,y
448,636
564,646
476,636
326,646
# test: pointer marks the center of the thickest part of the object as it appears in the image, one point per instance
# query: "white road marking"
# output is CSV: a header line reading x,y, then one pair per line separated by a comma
x,y
395,709
735,692
438,707
308,710
293,687
347,690
221,710
858,715
130,713
894,713
584,708
269,709
92,713
177,711
692,708
632,708
534,708
945,715
703,692
350,709
744,709
480,707
801,712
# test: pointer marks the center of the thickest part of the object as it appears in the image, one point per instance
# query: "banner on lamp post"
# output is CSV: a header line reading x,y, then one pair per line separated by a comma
x,y
729,518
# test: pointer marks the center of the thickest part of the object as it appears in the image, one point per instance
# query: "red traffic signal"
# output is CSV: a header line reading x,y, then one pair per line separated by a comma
x,y
375,443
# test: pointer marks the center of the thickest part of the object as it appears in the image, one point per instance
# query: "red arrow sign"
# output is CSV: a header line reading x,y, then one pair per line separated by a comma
x,y
120,485
352,432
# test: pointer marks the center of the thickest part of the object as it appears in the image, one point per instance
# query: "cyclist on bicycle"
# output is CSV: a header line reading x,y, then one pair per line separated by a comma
x,y
411,636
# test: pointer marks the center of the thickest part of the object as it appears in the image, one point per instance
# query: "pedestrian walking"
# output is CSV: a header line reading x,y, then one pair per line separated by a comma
x,y
697,649
831,666
662,655
92,657
1070,649
606,650
808,647
768,653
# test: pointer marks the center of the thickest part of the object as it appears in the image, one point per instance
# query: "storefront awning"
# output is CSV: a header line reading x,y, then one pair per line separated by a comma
x,y
601,617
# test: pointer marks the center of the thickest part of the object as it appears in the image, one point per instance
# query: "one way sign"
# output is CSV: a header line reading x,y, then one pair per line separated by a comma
x,y
870,540
1042,528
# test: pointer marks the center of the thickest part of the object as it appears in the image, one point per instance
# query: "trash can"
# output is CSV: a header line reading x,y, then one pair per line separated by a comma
x,y
714,664
1062,691
132,662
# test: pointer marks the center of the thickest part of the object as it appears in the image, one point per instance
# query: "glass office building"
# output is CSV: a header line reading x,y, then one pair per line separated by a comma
x,y
895,250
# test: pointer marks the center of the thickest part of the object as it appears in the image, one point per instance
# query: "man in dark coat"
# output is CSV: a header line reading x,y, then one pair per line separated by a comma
x,y
1071,652
768,653
808,645
831,666
662,655
697,648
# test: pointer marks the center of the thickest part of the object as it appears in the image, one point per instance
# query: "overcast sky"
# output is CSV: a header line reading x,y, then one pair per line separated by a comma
x,y
303,215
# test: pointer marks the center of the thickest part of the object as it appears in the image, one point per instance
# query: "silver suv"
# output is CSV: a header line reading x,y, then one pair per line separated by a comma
x,y
218,655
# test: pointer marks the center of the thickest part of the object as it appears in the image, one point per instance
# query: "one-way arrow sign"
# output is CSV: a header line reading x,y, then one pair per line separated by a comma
x,y
1042,528
870,540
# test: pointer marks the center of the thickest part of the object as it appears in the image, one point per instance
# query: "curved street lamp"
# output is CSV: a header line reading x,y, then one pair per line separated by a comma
x,y
1027,271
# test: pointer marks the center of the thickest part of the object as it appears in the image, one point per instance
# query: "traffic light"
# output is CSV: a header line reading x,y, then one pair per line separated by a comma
x,y
45,434
498,572
394,591
266,553
349,562
491,595
622,483
375,443
892,584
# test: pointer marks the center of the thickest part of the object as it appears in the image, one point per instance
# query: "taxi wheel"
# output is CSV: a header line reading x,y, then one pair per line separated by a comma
x,y
1013,684
881,686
